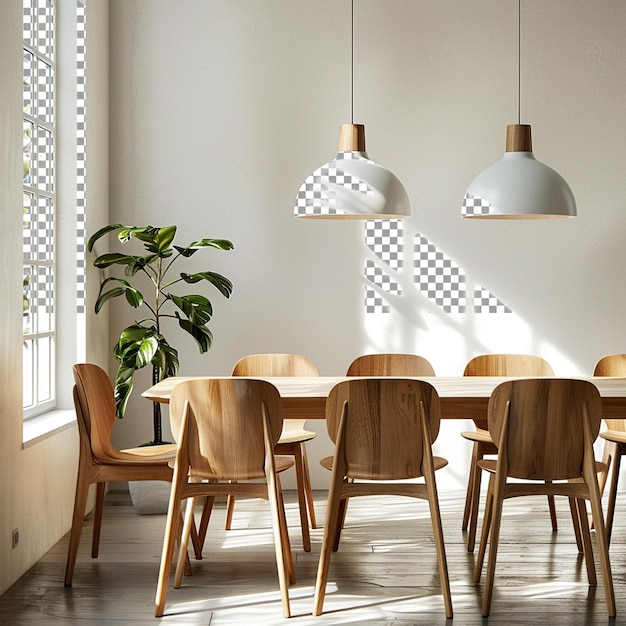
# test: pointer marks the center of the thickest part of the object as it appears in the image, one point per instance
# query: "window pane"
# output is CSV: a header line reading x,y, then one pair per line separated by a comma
x,y
27,368
30,227
45,159
28,82
45,94
45,27
44,229
45,367
29,153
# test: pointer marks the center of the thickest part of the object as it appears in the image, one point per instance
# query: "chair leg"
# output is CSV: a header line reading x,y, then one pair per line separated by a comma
x,y
442,564
230,508
80,503
603,546
97,520
308,490
614,479
475,497
302,505
199,537
484,535
331,526
183,556
341,518
287,555
169,542
586,541
469,495
576,524
281,539
494,533
552,508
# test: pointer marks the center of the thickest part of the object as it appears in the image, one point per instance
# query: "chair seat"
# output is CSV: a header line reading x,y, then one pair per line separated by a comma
x,y
282,463
296,436
166,452
479,435
614,435
489,465
438,463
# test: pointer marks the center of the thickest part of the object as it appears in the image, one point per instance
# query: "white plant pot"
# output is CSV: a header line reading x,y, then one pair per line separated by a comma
x,y
150,497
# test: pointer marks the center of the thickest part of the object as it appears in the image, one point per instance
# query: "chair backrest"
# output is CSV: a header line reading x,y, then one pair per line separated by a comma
x,y
379,424
390,365
508,365
95,409
544,422
612,365
275,364
225,425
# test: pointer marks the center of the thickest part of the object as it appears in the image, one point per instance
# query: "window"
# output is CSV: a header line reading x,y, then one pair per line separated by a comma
x,y
39,135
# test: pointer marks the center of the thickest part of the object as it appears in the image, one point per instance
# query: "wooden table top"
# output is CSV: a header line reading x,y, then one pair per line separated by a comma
x,y
462,397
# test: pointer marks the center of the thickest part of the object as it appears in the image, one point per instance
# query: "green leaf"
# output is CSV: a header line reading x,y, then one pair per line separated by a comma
x,y
223,284
133,297
100,233
197,308
137,346
201,334
117,258
143,233
123,388
194,246
166,359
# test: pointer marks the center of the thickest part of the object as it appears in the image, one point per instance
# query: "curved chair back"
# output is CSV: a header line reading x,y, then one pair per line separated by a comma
x,y
275,364
612,365
542,425
379,423
95,408
508,365
225,425
390,364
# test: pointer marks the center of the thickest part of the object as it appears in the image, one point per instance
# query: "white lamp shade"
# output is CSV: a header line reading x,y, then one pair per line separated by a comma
x,y
518,186
352,186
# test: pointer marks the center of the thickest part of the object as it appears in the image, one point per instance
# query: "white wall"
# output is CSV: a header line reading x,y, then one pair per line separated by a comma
x,y
220,110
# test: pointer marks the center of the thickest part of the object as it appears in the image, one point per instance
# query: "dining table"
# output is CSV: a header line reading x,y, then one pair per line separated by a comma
x,y
461,397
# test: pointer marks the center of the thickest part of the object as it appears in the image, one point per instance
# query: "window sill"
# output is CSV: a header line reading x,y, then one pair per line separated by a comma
x,y
47,425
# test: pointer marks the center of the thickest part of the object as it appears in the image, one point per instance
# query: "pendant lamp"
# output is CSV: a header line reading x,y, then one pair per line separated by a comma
x,y
518,186
352,186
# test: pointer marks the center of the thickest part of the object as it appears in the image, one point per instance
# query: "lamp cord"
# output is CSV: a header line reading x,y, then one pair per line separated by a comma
x,y
519,61
352,63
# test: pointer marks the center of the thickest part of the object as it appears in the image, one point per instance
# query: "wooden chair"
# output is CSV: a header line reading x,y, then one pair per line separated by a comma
x,y
227,429
99,462
390,364
383,429
614,439
494,365
545,429
292,439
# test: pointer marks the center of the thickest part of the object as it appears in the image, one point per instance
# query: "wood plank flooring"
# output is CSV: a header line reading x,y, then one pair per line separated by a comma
x,y
384,572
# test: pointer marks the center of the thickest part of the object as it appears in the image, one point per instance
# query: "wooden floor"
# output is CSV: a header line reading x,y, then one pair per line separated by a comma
x,y
385,571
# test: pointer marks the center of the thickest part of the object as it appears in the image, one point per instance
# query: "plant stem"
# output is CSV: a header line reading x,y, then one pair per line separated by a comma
x,y
156,410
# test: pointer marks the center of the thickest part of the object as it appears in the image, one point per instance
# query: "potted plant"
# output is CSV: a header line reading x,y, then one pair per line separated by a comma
x,y
143,343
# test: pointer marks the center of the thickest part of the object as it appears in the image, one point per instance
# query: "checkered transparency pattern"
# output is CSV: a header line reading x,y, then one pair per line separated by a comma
x,y
81,235
486,302
438,277
474,205
384,239
39,201
318,193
